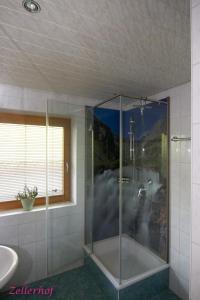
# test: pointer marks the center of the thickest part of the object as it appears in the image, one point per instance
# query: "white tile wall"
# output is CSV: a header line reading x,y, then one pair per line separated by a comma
x,y
19,232
195,242
180,188
65,241
195,2
26,231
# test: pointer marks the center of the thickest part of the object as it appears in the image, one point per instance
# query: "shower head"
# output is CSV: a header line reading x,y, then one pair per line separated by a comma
x,y
143,105
131,120
142,110
90,128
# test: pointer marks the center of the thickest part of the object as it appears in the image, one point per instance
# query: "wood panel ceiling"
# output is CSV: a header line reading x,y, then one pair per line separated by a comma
x,y
95,48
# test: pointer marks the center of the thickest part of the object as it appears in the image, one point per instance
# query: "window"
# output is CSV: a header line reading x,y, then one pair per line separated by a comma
x,y
23,155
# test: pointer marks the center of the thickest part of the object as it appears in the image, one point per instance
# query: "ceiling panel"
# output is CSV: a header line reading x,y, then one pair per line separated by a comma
x,y
96,48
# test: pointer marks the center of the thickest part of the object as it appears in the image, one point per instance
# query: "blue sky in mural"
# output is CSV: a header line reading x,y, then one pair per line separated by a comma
x,y
109,117
152,114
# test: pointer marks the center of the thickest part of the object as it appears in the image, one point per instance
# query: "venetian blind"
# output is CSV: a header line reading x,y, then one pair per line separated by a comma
x,y
23,159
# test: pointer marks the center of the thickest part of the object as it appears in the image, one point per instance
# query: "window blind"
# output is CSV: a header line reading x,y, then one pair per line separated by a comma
x,y
23,159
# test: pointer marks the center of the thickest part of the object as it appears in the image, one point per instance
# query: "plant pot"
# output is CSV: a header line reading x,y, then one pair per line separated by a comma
x,y
28,203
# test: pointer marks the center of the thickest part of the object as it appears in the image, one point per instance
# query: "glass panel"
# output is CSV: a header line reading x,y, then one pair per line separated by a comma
x,y
144,187
66,220
106,185
55,160
88,177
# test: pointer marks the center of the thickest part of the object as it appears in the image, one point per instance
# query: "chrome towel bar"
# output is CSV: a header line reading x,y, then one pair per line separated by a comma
x,y
180,139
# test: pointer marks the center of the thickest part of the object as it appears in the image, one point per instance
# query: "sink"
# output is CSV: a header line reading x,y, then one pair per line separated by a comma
x,y
8,264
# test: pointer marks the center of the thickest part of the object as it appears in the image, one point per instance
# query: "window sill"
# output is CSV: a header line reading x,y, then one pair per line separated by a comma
x,y
36,209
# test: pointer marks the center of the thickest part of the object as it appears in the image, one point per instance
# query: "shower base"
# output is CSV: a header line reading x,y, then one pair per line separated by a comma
x,y
137,263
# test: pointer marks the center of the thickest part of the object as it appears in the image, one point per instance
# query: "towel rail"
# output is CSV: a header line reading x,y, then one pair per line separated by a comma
x,y
180,139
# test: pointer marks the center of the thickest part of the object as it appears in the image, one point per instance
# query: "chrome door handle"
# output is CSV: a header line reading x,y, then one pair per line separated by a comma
x,y
124,180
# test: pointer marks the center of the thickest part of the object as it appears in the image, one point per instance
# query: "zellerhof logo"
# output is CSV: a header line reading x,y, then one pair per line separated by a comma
x,y
31,291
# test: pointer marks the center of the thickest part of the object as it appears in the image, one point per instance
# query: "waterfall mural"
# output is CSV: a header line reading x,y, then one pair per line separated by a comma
x,y
145,169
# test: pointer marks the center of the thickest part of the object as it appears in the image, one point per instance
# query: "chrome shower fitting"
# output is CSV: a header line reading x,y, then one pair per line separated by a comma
x,y
140,191
143,189
131,139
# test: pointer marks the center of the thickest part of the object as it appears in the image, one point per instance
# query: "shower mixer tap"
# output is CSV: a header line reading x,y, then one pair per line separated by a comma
x,y
149,181
142,189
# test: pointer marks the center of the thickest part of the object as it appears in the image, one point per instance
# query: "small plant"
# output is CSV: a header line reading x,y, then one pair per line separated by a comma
x,y
27,193
27,197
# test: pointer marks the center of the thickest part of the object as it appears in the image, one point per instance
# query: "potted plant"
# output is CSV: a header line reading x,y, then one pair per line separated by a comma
x,y
27,197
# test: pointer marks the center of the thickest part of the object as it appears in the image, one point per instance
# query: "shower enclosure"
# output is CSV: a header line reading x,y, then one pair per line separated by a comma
x,y
126,209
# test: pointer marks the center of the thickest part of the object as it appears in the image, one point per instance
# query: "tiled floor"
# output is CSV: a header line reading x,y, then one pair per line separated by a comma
x,y
77,284
166,295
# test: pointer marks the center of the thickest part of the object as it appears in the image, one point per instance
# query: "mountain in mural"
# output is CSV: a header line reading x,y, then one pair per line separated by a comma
x,y
106,147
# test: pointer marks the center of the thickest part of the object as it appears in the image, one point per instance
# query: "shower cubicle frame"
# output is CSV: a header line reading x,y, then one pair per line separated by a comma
x,y
144,101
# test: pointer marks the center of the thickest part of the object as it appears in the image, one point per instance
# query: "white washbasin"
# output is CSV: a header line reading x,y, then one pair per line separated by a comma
x,y
8,264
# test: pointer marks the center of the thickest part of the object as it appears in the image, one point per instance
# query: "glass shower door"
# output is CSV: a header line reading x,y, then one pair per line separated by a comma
x,y
105,227
65,186
144,241
89,166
